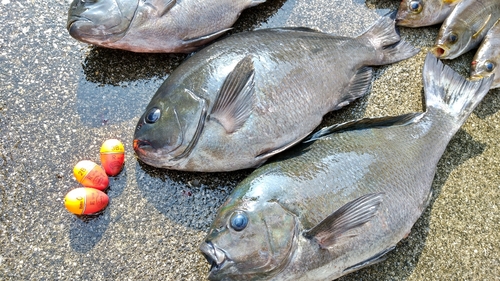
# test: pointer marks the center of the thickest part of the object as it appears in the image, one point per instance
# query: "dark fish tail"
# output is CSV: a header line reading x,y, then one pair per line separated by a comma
x,y
447,91
385,39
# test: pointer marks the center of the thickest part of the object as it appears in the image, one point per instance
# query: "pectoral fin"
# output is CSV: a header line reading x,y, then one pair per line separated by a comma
x,y
160,6
350,216
233,104
480,30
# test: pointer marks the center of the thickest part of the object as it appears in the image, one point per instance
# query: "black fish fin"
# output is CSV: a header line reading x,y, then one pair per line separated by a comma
x,y
204,39
233,104
373,260
160,6
367,123
350,216
358,86
481,29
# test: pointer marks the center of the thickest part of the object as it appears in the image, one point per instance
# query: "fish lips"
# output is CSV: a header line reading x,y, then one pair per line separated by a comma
x,y
216,257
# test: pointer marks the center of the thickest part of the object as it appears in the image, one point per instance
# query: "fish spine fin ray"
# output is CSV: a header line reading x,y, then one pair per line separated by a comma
x,y
449,92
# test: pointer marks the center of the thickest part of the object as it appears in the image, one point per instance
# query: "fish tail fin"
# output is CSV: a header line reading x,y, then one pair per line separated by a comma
x,y
449,92
384,37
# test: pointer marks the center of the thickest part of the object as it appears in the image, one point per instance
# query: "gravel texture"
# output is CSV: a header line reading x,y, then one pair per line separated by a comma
x,y
60,99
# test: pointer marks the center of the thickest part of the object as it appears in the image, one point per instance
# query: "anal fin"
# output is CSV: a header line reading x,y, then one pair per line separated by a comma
x,y
350,216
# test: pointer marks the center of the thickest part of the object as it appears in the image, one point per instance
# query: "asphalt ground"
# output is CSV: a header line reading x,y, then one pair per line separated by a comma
x,y
60,99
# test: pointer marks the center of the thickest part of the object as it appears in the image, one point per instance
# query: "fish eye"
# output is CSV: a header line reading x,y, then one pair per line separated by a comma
x,y
453,38
238,221
153,115
489,66
415,6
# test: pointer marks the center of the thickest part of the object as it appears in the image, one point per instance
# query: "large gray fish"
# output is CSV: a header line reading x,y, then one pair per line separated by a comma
x,y
417,13
330,207
465,27
487,59
237,102
153,26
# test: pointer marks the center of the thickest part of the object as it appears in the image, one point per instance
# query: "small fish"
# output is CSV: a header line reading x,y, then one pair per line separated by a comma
x,y
487,59
343,200
417,13
153,26
465,27
237,102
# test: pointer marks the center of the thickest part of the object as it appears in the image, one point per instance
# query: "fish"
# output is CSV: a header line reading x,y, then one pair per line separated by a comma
x,y
343,198
487,57
245,98
465,28
418,13
153,26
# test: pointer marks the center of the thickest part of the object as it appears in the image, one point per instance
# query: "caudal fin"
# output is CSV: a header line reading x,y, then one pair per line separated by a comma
x,y
385,39
447,91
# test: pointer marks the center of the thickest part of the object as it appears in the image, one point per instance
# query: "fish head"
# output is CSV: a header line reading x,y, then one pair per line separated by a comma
x,y
453,38
482,68
170,127
249,240
414,13
100,21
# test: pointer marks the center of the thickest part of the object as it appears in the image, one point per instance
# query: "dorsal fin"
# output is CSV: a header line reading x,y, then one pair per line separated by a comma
x,y
367,123
233,104
350,216
296,28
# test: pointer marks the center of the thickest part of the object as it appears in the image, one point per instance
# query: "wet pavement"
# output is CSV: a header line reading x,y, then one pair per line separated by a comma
x,y
60,99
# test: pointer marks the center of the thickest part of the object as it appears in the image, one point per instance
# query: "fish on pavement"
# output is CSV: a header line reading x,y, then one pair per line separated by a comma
x,y
465,27
237,102
417,13
487,59
153,26
327,208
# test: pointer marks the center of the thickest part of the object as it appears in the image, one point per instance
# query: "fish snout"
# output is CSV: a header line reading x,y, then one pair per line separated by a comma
x,y
215,256
140,144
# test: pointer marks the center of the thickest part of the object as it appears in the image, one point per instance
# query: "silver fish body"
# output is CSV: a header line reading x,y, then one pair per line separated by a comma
x,y
487,59
465,27
153,26
237,102
327,208
417,13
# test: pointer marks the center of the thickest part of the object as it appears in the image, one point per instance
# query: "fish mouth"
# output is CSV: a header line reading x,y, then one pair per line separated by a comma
x,y
440,51
216,257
